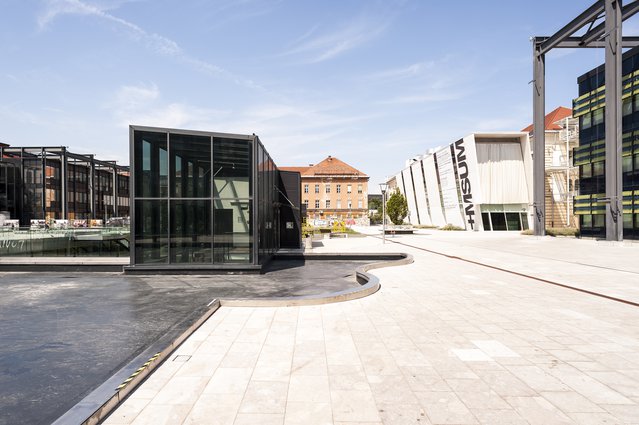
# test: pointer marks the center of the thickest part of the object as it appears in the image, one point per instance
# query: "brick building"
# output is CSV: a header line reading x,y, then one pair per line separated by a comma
x,y
333,190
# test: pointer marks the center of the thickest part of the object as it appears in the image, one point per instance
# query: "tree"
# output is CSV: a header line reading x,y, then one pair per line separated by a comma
x,y
375,204
396,207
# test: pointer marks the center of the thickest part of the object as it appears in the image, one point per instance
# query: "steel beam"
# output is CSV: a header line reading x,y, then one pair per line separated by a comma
x,y
539,147
613,123
587,16
597,32
575,42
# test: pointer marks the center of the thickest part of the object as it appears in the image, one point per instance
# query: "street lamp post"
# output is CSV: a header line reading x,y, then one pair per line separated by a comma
x,y
383,187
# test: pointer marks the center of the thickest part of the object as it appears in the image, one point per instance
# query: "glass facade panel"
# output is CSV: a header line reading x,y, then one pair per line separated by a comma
x,y
190,166
512,221
232,160
151,232
485,219
524,221
499,221
191,231
151,165
233,232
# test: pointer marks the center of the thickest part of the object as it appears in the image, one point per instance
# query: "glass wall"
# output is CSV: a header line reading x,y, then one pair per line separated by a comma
x,y
233,188
195,194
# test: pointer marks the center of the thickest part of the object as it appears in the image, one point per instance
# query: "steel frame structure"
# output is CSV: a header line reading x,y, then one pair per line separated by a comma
x,y
63,156
607,34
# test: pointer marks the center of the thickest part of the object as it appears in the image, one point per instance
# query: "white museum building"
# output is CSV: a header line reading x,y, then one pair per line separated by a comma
x,y
480,182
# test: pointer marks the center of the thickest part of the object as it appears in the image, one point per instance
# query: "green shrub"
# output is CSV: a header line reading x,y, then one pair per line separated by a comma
x,y
556,231
451,227
562,231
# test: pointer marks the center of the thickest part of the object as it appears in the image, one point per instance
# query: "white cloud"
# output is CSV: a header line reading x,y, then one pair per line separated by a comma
x,y
322,47
155,42
143,105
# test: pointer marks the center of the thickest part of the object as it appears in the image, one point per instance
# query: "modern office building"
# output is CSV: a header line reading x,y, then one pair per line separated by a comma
x,y
590,155
480,182
51,183
561,137
333,190
208,201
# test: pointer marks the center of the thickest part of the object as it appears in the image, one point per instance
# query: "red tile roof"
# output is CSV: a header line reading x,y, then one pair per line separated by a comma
x,y
329,166
551,118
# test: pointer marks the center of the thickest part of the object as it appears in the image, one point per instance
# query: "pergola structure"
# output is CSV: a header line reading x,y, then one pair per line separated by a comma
x,y
604,19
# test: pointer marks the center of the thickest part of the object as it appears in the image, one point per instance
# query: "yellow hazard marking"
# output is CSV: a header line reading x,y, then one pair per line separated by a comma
x,y
137,372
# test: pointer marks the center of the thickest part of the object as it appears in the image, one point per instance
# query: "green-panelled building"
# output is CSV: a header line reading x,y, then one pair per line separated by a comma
x,y
590,156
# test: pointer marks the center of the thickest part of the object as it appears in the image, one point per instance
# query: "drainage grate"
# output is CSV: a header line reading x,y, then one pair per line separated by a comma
x,y
182,358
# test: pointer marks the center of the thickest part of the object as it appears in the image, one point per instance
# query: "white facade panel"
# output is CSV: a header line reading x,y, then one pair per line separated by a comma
x,y
501,170
410,196
420,193
448,186
437,214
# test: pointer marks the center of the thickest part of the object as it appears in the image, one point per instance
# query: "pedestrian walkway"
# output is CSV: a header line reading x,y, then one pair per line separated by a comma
x,y
443,341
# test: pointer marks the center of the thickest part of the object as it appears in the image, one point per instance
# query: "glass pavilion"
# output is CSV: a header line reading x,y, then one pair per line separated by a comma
x,y
202,200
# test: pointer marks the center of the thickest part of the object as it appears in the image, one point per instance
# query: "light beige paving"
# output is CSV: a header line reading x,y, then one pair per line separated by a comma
x,y
442,342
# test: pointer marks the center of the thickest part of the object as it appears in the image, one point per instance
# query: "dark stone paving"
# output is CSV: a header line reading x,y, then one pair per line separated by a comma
x,y
63,334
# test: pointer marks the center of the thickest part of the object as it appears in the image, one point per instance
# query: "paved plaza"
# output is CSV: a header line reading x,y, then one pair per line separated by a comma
x,y
444,341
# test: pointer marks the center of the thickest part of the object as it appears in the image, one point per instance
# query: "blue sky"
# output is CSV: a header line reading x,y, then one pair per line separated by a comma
x,y
370,82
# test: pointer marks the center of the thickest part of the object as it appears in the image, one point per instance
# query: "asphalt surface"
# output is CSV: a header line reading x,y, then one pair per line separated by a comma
x,y
63,334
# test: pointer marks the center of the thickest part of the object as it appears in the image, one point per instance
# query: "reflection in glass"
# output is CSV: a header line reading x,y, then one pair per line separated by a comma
x,y
499,220
485,218
524,221
191,231
151,165
190,166
512,220
232,168
233,235
151,231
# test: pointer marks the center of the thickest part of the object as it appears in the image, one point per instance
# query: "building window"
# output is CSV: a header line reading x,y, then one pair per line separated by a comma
x,y
317,203
359,189
598,116
348,188
317,188
328,203
305,188
360,204
598,168
349,204
626,106
338,188
306,203
339,203
328,187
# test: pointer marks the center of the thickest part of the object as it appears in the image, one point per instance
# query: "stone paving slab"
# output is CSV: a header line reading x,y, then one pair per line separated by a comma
x,y
442,342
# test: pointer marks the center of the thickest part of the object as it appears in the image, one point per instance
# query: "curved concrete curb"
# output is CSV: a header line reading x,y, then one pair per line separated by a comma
x,y
369,283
